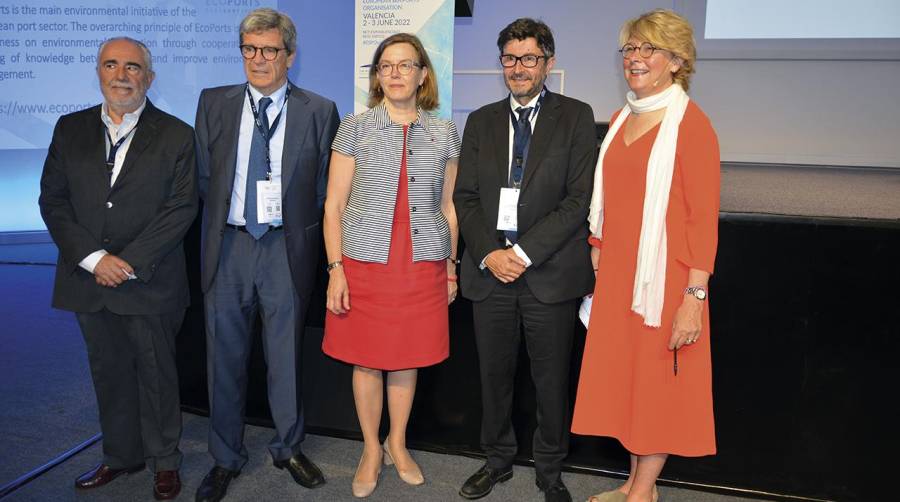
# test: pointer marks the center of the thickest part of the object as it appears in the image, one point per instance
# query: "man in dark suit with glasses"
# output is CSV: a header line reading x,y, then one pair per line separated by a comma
x,y
522,196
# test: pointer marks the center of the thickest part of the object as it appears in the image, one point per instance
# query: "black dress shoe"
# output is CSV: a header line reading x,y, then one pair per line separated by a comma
x,y
482,482
102,474
215,484
557,493
304,472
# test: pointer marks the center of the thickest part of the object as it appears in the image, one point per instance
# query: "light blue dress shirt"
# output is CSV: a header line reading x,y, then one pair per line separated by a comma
x,y
276,147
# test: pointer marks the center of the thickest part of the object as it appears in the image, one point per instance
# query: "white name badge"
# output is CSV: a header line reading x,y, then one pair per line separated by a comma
x,y
268,202
508,212
584,311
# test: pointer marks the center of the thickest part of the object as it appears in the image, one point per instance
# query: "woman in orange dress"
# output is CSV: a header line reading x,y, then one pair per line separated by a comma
x,y
646,373
390,236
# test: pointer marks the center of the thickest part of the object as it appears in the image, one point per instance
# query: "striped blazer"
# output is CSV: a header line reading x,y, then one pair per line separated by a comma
x,y
376,144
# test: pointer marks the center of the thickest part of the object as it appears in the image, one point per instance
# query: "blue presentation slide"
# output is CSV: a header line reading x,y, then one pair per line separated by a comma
x,y
48,52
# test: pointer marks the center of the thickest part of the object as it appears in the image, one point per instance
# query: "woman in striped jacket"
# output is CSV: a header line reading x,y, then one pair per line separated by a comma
x,y
390,235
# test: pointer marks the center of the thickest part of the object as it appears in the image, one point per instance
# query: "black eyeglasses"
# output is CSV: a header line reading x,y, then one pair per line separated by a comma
x,y
268,53
385,69
646,50
528,60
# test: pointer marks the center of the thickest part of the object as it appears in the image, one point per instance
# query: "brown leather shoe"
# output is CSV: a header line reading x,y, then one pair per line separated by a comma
x,y
166,485
102,474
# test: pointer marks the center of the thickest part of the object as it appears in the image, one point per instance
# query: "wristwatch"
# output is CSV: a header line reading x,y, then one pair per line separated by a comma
x,y
698,292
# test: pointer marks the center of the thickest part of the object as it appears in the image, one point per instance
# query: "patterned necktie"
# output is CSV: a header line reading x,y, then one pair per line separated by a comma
x,y
257,170
517,164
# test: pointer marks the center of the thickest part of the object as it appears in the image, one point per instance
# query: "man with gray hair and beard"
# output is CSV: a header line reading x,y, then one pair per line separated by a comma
x,y
263,201
118,194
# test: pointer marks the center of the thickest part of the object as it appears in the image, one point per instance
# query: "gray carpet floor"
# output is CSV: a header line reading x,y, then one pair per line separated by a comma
x,y
48,407
47,397
259,481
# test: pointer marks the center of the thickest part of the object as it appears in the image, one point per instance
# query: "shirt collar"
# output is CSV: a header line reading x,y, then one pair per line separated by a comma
x,y
383,118
533,103
277,96
128,119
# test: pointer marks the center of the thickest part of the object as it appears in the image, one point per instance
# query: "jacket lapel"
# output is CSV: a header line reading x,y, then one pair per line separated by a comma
x,y
230,118
547,120
298,117
147,130
500,126
97,157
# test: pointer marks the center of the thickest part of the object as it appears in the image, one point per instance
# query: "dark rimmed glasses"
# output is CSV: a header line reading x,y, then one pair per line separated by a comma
x,y
268,53
528,60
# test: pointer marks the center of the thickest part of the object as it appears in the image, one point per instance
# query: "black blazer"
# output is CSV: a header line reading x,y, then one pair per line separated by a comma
x,y
142,218
312,122
553,202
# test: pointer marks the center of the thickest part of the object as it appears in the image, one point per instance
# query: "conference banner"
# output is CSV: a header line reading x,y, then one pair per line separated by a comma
x,y
430,20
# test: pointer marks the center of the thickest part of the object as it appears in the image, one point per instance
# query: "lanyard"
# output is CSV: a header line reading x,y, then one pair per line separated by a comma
x,y
521,139
267,135
113,148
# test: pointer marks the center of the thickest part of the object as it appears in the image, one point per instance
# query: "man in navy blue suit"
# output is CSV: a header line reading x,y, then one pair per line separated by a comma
x,y
263,149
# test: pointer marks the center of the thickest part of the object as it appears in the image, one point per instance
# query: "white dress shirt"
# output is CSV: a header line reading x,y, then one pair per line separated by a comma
x,y
115,132
276,147
532,119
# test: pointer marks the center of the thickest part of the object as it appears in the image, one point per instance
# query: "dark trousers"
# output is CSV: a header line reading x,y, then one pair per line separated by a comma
x,y
132,360
500,320
253,277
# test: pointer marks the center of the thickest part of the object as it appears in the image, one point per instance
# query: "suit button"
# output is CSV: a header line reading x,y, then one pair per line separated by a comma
x,y
227,202
109,205
222,231
106,241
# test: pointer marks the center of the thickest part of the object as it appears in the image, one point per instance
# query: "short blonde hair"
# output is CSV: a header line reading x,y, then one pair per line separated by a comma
x,y
427,95
667,30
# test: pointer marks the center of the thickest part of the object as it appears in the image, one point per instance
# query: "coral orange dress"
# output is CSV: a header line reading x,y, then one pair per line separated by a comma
x,y
628,388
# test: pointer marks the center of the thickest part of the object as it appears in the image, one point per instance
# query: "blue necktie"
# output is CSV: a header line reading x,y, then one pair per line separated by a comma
x,y
521,137
257,170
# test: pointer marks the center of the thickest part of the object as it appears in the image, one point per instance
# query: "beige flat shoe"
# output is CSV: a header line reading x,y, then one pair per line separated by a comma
x,y
610,496
411,476
362,489
617,496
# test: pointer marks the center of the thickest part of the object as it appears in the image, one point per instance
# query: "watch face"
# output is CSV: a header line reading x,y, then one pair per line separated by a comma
x,y
700,294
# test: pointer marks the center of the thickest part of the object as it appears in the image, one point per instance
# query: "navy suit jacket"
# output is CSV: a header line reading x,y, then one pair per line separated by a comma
x,y
312,122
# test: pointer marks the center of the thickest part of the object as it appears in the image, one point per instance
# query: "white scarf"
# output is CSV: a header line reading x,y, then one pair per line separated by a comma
x,y
650,276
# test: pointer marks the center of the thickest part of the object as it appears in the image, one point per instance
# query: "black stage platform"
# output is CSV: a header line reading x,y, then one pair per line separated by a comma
x,y
805,337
